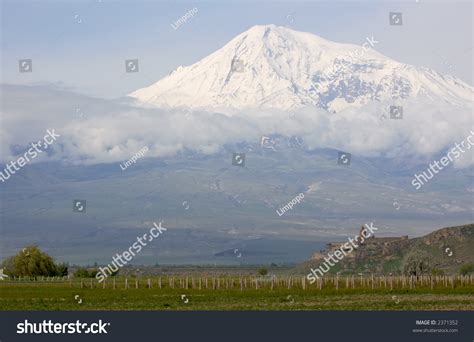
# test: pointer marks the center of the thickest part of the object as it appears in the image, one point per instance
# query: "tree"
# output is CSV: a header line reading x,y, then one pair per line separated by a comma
x,y
62,269
466,269
31,262
8,266
263,271
83,272
416,263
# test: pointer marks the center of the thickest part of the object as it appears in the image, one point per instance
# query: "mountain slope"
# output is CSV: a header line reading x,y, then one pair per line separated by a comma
x,y
210,205
448,248
276,67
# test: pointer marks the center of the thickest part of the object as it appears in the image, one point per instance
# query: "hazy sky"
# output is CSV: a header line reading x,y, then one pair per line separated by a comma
x,y
82,45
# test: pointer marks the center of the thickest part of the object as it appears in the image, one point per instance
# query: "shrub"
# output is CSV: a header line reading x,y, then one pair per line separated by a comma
x,y
466,269
416,263
31,262
83,272
263,271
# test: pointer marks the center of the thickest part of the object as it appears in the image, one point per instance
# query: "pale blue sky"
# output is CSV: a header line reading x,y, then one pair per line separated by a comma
x,y
83,44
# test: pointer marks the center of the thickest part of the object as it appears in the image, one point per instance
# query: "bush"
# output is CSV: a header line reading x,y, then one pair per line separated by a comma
x,y
83,272
62,269
263,271
416,263
31,262
466,269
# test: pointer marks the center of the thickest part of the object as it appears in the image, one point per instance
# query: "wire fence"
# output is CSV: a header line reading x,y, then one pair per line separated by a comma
x,y
371,282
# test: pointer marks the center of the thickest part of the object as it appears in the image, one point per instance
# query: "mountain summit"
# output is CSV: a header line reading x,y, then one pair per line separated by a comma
x,y
276,67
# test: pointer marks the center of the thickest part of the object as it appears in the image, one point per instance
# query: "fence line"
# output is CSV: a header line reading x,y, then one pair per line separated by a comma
x,y
271,283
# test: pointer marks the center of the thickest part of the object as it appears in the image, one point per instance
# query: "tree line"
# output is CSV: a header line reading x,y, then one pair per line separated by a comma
x,y
33,262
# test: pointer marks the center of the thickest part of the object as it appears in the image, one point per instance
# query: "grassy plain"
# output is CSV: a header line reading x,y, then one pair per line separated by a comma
x,y
66,295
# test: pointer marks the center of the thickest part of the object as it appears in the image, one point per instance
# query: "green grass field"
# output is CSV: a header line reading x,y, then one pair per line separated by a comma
x,y
70,296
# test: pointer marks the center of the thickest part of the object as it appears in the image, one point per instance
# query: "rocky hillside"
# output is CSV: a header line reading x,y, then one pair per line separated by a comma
x,y
449,248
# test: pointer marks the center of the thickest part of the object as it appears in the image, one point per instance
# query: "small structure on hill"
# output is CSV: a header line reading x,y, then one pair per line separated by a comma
x,y
365,246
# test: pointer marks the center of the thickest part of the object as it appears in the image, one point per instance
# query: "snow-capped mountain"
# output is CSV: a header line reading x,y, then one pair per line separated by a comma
x,y
276,67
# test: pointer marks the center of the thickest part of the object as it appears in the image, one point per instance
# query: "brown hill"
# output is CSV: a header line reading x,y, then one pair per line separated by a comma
x,y
449,248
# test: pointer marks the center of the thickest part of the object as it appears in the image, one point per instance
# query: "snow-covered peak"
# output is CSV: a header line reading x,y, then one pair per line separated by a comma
x,y
271,66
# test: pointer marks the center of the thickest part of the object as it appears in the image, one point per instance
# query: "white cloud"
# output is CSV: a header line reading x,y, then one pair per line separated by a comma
x,y
114,130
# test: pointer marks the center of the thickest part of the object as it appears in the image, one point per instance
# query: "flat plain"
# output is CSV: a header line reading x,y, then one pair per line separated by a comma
x,y
235,293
